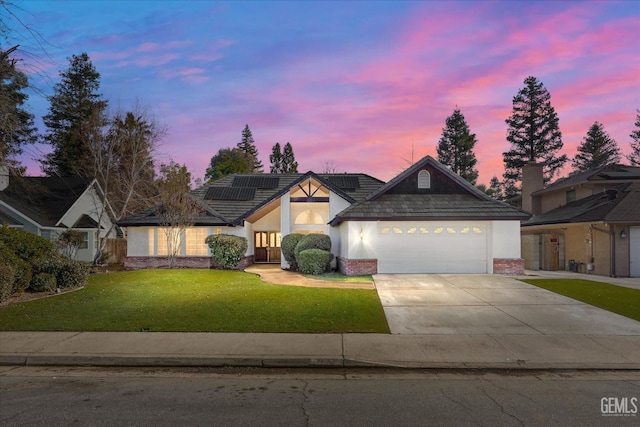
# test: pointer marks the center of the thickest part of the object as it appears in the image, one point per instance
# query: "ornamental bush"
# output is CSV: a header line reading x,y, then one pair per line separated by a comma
x,y
25,245
43,282
7,277
21,269
288,247
314,261
227,251
312,241
68,273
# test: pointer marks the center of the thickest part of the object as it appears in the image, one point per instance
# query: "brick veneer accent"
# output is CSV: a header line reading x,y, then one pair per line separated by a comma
x,y
142,262
508,266
357,267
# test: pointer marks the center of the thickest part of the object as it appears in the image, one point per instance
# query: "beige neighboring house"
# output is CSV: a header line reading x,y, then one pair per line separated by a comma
x,y
588,222
48,206
425,220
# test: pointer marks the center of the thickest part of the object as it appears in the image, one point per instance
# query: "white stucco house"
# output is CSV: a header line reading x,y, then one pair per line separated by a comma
x,y
425,220
48,206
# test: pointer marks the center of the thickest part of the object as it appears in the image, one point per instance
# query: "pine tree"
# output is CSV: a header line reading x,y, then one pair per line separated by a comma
x,y
289,164
276,159
533,132
76,110
597,149
634,156
247,146
16,124
455,148
495,186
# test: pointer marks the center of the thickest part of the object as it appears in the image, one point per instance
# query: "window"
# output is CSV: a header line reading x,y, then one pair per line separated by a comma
x,y
571,196
195,244
85,240
309,217
424,179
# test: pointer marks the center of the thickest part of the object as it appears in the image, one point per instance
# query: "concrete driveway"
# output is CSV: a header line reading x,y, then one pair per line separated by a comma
x,y
473,304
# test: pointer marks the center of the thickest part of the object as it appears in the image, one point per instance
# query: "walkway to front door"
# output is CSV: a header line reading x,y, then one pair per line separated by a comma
x,y
267,244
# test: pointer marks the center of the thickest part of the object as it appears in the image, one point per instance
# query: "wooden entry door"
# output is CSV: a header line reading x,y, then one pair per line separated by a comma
x,y
267,246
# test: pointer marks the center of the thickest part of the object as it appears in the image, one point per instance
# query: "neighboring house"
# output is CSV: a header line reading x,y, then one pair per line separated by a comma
x,y
587,222
48,206
426,220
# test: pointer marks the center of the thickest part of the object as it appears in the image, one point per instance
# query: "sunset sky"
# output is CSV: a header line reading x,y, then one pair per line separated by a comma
x,y
355,83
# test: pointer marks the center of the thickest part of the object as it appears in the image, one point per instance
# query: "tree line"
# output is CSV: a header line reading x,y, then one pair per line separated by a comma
x,y
534,135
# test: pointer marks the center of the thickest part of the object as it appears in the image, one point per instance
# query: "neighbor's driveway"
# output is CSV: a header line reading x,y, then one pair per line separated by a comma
x,y
470,304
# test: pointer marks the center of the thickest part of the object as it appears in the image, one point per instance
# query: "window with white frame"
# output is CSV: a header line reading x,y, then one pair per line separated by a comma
x,y
195,244
424,179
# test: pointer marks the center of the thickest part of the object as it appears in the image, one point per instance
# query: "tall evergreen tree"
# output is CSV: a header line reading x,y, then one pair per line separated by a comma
x,y
247,145
276,159
289,164
634,156
455,148
533,133
16,123
597,149
77,109
495,186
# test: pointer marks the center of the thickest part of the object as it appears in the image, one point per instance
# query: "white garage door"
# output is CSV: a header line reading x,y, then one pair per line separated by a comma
x,y
634,251
432,247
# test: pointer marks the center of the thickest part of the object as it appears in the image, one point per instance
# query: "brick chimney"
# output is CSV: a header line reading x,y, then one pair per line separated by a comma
x,y
532,181
4,177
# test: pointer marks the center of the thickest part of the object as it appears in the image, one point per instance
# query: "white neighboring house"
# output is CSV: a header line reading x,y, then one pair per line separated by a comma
x,y
48,206
425,220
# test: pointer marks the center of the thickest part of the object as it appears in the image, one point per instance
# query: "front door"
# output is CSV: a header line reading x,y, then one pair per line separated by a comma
x,y
267,244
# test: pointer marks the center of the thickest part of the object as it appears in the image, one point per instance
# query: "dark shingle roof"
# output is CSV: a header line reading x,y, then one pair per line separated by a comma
x,y
603,173
619,204
229,200
44,200
466,203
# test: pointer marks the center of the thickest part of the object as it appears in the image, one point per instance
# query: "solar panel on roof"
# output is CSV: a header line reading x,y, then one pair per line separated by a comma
x,y
257,181
230,193
344,182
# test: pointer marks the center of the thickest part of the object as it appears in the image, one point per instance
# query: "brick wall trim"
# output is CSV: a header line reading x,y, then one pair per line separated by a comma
x,y
357,267
508,266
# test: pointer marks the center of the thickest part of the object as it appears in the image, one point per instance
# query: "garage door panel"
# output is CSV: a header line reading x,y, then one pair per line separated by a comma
x,y
436,247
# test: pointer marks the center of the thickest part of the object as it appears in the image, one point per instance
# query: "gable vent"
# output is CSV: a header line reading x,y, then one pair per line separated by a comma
x,y
230,193
258,181
424,179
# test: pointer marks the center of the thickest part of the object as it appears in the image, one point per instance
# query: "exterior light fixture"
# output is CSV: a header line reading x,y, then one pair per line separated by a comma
x,y
361,234
623,234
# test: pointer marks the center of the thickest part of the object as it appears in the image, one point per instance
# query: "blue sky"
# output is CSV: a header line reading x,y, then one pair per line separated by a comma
x,y
357,84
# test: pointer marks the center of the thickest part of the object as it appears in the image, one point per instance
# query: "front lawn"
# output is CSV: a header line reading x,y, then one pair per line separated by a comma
x,y
617,299
197,301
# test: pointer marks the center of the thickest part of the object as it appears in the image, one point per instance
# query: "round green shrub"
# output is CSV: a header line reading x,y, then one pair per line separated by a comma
x,y
7,277
288,247
43,282
312,241
22,269
314,261
227,250
68,273
25,245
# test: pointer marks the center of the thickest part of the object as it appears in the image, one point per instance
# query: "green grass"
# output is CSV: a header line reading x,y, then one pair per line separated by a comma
x,y
617,299
197,301
334,276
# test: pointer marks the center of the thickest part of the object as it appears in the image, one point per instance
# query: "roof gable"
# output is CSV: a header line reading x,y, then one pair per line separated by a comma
x,y
609,173
443,181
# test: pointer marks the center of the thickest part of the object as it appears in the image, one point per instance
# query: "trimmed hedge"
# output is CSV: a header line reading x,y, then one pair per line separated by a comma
x,y
68,273
314,261
43,282
25,245
7,277
288,247
227,250
21,269
312,241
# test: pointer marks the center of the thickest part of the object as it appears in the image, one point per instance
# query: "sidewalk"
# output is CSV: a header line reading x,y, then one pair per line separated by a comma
x,y
629,282
320,350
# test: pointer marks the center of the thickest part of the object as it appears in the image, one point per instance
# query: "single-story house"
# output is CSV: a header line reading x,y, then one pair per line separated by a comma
x,y
49,206
425,220
588,222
